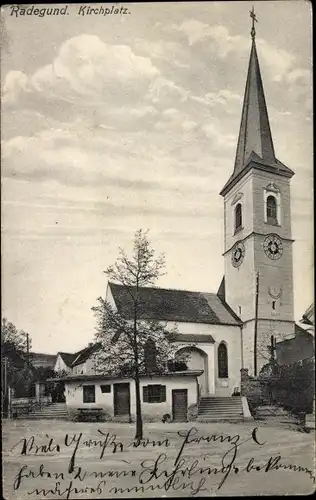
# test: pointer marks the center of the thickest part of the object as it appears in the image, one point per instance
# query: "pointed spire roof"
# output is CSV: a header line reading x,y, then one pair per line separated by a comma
x,y
255,144
255,134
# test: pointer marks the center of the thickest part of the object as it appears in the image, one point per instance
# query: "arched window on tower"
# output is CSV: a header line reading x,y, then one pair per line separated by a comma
x,y
272,217
150,355
238,217
222,359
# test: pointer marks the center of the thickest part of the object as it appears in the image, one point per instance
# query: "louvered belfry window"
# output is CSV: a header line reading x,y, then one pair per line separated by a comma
x,y
238,217
272,210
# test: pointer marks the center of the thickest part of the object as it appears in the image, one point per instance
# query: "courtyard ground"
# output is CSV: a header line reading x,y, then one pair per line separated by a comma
x,y
106,464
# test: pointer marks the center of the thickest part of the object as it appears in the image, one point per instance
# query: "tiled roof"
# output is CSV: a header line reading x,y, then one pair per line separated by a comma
x,y
67,357
174,305
309,315
84,354
295,349
192,338
101,376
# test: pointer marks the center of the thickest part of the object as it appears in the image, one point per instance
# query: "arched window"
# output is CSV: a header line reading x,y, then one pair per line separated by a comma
x,y
272,210
222,359
238,217
150,355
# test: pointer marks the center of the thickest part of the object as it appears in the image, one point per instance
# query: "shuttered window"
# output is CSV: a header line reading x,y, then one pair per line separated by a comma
x,y
154,394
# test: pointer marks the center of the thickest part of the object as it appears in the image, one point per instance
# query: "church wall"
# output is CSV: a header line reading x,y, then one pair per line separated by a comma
x,y
260,181
244,187
227,333
275,276
241,283
233,343
109,298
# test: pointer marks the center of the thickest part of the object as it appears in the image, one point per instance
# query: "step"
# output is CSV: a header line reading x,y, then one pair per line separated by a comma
x,y
215,403
46,413
221,408
220,413
224,400
219,419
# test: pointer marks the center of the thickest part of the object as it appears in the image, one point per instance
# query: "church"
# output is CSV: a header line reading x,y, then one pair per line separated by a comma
x,y
231,329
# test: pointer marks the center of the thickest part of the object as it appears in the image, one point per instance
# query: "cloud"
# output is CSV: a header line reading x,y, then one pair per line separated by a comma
x,y
300,75
221,41
85,69
221,44
278,61
166,91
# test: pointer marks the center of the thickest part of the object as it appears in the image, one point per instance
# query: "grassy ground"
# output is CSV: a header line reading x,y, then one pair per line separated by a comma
x,y
194,473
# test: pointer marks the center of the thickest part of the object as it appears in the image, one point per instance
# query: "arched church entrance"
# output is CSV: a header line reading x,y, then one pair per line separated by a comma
x,y
197,360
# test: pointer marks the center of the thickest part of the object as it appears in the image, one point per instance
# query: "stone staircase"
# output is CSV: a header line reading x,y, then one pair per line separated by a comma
x,y
50,412
218,409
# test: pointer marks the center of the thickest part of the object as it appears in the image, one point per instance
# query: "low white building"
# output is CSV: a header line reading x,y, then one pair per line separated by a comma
x,y
173,395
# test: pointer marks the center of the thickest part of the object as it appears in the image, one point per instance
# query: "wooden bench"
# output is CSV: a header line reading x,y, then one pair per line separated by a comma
x,y
88,412
20,410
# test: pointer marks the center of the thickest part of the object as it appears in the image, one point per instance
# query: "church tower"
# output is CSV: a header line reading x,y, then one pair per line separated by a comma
x,y
257,218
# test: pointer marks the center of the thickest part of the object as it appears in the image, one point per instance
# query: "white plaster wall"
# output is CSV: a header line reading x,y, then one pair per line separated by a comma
x,y
198,360
232,336
244,186
74,394
109,297
60,365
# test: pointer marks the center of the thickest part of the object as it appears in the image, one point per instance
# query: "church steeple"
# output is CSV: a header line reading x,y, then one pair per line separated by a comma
x,y
255,140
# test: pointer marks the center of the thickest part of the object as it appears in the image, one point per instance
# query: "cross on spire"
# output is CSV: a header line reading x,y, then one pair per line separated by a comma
x,y
254,19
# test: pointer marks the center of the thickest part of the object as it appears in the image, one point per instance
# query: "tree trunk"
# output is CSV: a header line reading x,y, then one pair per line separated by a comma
x,y
139,420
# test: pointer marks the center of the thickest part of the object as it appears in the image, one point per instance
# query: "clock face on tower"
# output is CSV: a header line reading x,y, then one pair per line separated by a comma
x,y
238,253
273,246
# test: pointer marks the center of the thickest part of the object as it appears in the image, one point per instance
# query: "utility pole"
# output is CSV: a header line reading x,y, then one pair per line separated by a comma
x,y
28,351
28,366
256,325
5,387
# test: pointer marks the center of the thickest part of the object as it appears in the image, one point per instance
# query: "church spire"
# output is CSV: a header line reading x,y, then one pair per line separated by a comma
x,y
255,139
255,134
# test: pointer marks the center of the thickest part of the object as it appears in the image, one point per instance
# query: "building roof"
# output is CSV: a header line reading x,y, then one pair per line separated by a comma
x,y
174,305
100,376
295,349
84,354
309,315
255,145
192,338
67,357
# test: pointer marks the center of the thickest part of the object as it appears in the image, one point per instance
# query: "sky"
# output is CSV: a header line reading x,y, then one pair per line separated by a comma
x,y
120,122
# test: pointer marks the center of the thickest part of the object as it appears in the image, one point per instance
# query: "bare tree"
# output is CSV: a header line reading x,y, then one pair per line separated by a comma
x,y
133,345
